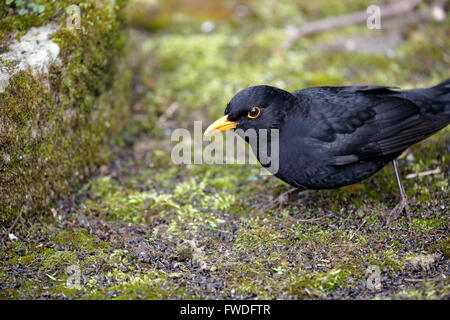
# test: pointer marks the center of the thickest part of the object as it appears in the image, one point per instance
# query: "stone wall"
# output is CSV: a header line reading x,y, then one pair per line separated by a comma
x,y
64,93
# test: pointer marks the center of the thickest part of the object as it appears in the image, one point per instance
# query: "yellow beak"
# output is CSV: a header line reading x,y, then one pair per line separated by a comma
x,y
220,125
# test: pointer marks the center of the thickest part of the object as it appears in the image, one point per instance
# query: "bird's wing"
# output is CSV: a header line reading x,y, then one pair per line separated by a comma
x,y
358,123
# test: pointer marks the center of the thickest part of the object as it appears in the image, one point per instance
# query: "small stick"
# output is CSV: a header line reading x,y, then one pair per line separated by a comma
x,y
360,226
426,279
172,108
391,10
12,227
424,173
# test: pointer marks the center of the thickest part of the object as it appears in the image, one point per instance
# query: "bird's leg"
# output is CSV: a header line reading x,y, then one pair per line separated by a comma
x,y
403,203
281,201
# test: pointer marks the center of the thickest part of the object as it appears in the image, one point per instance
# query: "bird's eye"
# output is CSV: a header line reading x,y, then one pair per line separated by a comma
x,y
254,113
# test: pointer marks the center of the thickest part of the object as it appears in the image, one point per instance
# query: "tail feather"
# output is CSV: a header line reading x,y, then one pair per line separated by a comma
x,y
440,97
434,100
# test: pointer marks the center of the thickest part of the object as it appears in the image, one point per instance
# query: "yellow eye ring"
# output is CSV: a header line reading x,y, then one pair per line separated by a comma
x,y
254,113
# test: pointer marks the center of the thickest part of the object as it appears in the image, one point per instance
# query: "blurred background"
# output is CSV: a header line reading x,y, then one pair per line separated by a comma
x,y
191,56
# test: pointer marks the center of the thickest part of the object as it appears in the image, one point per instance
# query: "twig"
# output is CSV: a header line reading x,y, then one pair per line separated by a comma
x,y
172,108
359,228
51,277
392,10
424,173
12,226
426,279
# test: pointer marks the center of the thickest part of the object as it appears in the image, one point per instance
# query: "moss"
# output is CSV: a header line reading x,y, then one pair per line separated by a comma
x,y
58,259
312,285
57,134
428,291
426,225
117,204
442,246
12,20
151,285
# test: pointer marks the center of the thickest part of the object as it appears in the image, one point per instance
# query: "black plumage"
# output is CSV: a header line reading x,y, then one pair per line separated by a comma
x,y
336,136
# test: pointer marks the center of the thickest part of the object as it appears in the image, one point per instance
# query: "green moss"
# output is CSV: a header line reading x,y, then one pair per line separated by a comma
x,y
316,284
118,204
58,259
428,291
14,18
57,134
443,246
151,285
427,225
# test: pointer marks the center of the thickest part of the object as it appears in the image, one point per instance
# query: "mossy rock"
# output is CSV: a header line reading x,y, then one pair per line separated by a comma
x,y
55,124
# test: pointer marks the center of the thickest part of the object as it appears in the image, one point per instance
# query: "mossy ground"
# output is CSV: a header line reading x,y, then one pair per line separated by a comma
x,y
145,228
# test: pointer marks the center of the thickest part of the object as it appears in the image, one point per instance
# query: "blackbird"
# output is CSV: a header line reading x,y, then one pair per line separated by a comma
x,y
331,137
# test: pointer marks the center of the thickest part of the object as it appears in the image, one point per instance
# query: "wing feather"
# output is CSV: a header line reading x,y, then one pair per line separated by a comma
x,y
359,123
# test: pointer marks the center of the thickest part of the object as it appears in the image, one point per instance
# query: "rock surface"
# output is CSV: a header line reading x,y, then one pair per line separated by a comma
x,y
64,93
35,51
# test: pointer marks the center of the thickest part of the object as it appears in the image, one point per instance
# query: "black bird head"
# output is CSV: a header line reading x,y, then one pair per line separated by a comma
x,y
258,107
